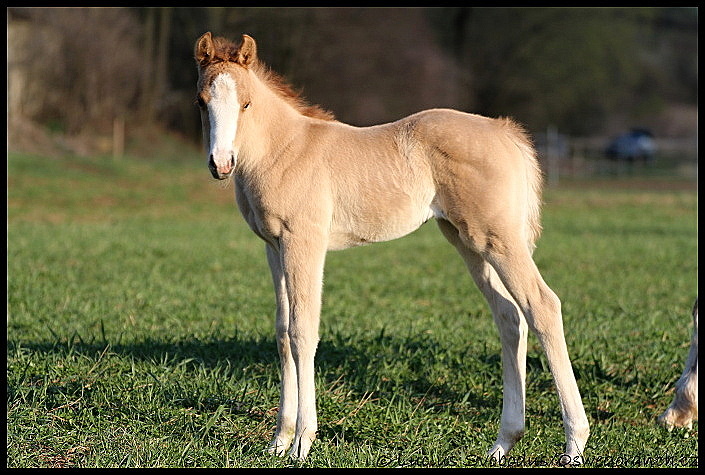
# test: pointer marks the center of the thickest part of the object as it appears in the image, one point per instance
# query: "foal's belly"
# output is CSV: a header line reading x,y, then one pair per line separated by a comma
x,y
387,222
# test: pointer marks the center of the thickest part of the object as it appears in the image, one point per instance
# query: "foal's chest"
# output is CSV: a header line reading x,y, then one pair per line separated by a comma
x,y
264,224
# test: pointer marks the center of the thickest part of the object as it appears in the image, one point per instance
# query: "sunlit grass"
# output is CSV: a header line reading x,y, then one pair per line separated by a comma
x,y
141,329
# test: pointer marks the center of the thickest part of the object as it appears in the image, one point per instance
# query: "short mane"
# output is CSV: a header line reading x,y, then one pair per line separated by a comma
x,y
227,51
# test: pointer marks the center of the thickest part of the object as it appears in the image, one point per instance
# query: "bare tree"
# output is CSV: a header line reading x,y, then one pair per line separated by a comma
x,y
83,66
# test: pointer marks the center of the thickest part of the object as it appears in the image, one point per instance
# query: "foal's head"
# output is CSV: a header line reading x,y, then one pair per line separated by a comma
x,y
228,75
223,97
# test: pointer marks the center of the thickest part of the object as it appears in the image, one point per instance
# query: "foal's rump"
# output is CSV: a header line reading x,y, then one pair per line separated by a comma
x,y
486,176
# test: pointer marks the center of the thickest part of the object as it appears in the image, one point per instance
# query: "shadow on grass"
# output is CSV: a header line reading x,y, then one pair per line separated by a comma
x,y
424,372
383,364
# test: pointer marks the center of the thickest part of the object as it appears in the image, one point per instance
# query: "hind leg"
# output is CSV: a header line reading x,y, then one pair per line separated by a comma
x,y
512,332
684,408
512,261
510,257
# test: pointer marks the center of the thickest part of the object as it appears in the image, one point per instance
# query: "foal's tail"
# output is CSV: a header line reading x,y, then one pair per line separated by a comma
x,y
534,179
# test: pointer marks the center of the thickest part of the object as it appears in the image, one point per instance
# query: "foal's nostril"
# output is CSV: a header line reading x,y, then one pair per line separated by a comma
x,y
213,168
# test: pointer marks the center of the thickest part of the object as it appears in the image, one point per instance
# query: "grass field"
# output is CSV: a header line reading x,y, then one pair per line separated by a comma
x,y
141,328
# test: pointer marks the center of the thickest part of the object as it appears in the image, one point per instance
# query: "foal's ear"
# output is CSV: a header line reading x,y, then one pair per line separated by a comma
x,y
203,52
247,54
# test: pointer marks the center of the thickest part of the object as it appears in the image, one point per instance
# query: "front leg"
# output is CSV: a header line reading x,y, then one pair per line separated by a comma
x,y
288,396
302,260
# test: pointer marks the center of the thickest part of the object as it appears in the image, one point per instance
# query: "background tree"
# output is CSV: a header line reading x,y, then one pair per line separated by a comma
x,y
586,70
81,66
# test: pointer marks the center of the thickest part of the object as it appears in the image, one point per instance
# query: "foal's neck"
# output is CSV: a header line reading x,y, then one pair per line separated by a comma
x,y
268,132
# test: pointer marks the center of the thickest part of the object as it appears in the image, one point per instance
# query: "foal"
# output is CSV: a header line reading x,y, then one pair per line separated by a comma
x,y
684,408
307,184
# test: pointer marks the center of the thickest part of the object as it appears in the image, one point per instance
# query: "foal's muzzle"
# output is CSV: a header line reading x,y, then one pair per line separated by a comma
x,y
223,172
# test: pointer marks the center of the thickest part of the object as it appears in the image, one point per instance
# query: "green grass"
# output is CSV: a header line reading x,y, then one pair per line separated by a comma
x,y
141,329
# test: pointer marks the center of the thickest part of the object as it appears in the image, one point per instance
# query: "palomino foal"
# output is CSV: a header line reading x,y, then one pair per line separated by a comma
x,y
307,184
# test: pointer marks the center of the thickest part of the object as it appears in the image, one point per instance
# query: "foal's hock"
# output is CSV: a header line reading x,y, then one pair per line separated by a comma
x,y
307,184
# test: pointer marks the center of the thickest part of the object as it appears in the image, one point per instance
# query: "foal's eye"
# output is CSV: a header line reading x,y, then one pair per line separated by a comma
x,y
246,105
201,103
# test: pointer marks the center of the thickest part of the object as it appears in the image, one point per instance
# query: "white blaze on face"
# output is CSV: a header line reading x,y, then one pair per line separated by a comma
x,y
223,112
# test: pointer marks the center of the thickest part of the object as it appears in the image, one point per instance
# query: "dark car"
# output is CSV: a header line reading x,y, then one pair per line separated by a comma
x,y
637,144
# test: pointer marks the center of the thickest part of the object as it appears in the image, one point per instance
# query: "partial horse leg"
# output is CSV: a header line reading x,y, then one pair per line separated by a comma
x,y
303,258
512,332
288,396
511,259
684,408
